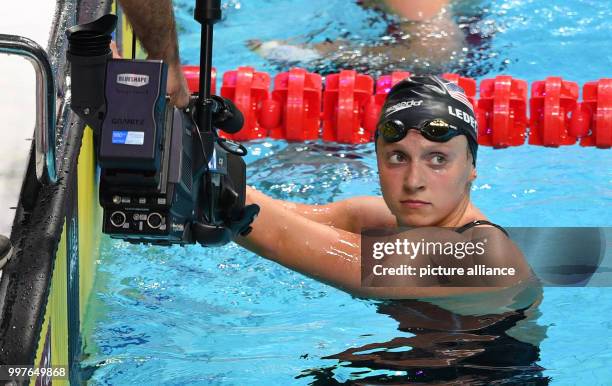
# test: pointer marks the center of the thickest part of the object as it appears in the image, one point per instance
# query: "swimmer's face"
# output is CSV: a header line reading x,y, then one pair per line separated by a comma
x,y
425,183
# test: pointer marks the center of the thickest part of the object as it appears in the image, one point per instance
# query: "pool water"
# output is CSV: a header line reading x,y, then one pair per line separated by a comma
x,y
225,316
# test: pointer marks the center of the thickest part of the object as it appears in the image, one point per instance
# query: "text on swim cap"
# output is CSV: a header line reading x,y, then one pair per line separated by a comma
x,y
403,105
467,118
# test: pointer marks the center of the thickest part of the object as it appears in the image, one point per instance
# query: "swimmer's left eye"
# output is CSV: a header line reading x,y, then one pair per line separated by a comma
x,y
438,160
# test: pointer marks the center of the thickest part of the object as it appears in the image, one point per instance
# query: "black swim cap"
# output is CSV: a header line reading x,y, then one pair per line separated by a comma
x,y
420,100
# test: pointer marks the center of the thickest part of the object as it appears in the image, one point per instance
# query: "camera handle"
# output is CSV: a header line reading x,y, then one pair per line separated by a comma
x,y
208,12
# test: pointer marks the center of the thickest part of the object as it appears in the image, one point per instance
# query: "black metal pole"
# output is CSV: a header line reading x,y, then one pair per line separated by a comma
x,y
206,60
207,12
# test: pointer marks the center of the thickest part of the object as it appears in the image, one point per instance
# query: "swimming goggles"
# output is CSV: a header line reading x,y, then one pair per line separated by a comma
x,y
436,130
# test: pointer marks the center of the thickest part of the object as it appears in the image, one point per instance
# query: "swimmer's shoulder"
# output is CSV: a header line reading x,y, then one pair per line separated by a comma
x,y
500,249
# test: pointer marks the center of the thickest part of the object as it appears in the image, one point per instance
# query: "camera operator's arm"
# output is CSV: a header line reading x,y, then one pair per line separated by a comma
x,y
351,214
154,25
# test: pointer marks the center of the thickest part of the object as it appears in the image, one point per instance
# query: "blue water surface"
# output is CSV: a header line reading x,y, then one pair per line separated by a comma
x,y
225,316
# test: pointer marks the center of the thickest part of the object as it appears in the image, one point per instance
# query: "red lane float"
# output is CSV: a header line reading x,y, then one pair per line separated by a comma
x,y
552,100
192,74
597,106
502,105
344,101
248,89
294,111
350,109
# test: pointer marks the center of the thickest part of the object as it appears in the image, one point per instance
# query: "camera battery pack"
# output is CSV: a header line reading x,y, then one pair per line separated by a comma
x,y
131,134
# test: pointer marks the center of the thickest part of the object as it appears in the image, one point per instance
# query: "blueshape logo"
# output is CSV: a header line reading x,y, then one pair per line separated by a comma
x,y
134,80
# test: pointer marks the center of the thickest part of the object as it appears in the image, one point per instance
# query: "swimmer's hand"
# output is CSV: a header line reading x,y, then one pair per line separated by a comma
x,y
209,235
283,51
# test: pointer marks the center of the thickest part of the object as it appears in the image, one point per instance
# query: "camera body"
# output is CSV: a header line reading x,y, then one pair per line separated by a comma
x,y
163,180
146,185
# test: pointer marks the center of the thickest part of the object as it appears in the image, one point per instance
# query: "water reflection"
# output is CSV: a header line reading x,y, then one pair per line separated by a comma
x,y
463,346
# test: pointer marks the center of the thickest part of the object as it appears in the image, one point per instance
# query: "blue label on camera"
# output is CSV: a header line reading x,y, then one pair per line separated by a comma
x,y
119,137
128,137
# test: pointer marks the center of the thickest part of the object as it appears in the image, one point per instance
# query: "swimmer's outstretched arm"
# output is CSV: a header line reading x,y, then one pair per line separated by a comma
x,y
330,255
351,214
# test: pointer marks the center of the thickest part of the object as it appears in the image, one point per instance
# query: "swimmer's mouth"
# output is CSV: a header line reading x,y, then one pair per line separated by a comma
x,y
414,203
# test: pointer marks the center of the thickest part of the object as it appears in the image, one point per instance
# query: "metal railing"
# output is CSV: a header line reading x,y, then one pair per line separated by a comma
x,y
44,133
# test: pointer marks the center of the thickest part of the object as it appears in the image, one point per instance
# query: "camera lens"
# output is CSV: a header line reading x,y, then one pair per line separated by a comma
x,y
117,219
154,220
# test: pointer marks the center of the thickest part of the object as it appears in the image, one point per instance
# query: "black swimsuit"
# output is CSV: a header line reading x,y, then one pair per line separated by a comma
x,y
474,223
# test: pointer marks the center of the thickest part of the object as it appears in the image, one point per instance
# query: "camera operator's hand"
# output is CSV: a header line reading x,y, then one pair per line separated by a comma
x,y
115,50
155,26
177,86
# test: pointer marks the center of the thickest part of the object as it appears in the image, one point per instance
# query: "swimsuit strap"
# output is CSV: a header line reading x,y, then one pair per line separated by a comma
x,y
474,223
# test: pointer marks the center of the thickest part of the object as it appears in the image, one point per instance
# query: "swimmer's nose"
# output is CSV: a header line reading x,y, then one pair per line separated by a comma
x,y
414,178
